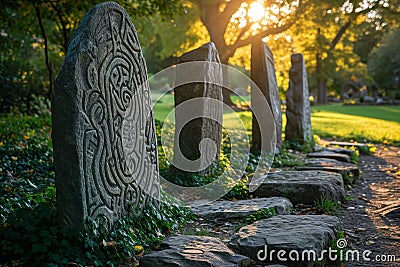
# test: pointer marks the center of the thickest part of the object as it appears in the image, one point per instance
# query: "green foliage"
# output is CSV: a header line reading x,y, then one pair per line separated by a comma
x,y
328,206
239,188
354,157
30,233
239,191
348,198
286,159
385,59
348,178
24,77
339,250
368,150
199,232
264,213
133,233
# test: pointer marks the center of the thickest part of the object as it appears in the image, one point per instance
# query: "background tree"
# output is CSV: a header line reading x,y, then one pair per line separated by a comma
x,y
232,24
28,26
327,34
337,27
385,59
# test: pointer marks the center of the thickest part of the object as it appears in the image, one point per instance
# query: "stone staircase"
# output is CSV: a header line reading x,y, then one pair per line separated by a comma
x,y
281,239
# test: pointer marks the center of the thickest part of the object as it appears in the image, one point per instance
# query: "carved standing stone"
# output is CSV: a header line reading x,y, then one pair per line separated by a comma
x,y
298,125
263,75
105,148
200,119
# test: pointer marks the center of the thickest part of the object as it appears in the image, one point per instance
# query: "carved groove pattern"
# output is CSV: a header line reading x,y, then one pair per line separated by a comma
x,y
117,145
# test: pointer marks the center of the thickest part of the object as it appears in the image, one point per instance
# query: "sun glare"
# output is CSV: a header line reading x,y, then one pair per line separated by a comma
x,y
256,11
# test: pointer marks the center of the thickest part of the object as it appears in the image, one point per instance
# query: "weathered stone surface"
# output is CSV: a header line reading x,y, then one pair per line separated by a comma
x,y
194,251
348,144
222,210
329,155
347,170
105,149
289,232
263,75
200,120
298,112
339,150
302,187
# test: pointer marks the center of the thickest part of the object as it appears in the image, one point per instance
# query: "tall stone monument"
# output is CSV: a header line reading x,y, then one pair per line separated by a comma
x,y
298,125
263,75
198,130
105,148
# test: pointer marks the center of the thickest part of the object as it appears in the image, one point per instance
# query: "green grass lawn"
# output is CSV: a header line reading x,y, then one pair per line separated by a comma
x,y
377,124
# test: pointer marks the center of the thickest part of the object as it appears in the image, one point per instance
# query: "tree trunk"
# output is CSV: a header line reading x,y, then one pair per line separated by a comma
x,y
49,65
226,93
321,82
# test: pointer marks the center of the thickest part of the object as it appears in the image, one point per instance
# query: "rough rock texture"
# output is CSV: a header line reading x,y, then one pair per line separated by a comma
x,y
193,251
263,75
339,150
348,144
222,210
302,186
289,232
298,125
105,149
329,155
202,119
349,171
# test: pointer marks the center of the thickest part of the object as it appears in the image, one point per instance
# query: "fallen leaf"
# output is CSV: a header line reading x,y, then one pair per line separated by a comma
x,y
108,243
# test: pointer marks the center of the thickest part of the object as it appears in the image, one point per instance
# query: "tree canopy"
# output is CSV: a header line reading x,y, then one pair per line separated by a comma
x,y
385,59
336,38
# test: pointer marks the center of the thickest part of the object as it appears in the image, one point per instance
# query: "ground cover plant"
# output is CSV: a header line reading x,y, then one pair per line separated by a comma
x,y
29,233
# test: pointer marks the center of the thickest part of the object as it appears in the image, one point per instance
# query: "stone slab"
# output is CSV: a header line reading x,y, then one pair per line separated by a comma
x,y
198,110
304,187
194,251
263,75
347,144
224,209
330,155
298,123
287,233
349,171
105,147
339,150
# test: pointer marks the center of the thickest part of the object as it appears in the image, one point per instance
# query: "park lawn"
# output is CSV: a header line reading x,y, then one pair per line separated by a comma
x,y
376,124
388,113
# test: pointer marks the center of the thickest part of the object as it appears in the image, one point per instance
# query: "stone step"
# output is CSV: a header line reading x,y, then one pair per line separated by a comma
x,y
349,171
193,251
339,150
304,187
348,144
224,209
293,234
330,155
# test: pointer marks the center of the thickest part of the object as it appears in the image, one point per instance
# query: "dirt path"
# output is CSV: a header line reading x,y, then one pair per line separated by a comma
x,y
371,219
